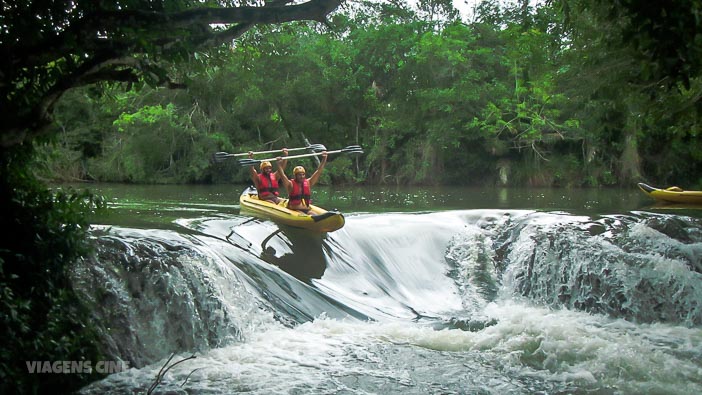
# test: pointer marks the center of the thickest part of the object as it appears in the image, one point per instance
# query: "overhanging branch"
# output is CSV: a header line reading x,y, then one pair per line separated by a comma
x,y
99,46
87,32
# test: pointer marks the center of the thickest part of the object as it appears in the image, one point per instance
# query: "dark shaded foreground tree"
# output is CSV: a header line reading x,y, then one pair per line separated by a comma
x,y
47,48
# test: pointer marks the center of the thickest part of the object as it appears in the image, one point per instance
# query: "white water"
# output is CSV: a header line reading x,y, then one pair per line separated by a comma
x,y
474,301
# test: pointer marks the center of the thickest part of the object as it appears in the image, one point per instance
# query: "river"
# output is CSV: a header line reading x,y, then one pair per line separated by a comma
x,y
423,291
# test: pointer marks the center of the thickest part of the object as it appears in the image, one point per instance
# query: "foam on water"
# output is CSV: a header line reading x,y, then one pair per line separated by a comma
x,y
529,349
564,304
620,266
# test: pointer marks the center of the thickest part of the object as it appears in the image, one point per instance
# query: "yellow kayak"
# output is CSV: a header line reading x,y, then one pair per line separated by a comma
x,y
672,194
327,221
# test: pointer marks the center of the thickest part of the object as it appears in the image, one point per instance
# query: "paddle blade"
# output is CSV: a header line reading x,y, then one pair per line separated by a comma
x,y
248,162
353,149
221,156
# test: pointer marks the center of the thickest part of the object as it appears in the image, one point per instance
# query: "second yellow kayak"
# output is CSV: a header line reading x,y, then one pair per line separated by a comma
x,y
672,194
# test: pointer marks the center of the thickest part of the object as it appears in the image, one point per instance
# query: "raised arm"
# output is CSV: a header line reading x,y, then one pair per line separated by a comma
x,y
253,172
282,162
318,172
280,173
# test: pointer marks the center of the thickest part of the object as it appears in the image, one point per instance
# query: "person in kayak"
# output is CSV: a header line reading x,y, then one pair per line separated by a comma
x,y
266,183
300,188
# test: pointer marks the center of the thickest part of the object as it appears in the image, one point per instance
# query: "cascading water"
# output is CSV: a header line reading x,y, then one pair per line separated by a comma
x,y
618,265
157,292
477,301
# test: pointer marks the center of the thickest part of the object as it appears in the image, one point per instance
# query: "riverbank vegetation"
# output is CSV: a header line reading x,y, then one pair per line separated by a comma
x,y
519,95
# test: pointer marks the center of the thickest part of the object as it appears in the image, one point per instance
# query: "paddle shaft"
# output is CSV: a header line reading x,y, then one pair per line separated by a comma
x,y
225,155
254,161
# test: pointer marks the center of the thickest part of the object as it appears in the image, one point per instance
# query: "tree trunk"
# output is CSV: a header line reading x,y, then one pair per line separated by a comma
x,y
630,162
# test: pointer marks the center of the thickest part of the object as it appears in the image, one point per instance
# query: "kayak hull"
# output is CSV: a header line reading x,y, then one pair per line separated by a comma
x,y
326,221
672,194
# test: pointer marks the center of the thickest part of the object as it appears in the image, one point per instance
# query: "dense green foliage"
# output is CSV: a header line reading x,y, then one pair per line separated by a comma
x,y
663,35
51,46
514,98
41,318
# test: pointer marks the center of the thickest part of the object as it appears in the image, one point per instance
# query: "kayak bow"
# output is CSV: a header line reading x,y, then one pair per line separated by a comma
x,y
672,194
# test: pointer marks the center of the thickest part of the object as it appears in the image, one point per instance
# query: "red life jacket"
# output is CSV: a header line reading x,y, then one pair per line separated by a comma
x,y
300,194
267,187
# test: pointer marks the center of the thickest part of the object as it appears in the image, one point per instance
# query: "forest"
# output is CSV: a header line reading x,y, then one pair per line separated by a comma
x,y
515,96
567,93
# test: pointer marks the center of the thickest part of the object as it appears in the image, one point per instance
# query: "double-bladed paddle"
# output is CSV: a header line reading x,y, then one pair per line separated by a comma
x,y
351,149
222,156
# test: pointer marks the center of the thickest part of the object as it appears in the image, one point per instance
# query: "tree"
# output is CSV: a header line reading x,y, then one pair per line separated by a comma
x,y
50,47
